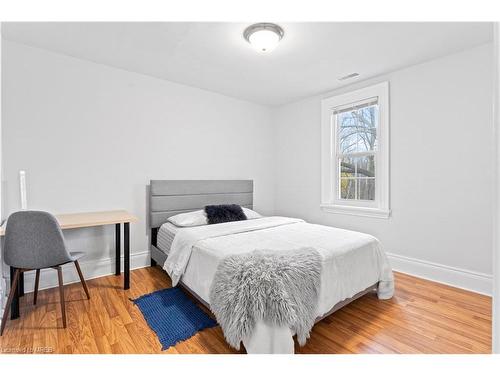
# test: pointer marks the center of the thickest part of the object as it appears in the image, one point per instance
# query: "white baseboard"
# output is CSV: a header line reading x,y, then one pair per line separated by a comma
x,y
464,279
91,269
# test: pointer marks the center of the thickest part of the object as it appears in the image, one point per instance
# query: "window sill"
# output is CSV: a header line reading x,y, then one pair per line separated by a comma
x,y
357,211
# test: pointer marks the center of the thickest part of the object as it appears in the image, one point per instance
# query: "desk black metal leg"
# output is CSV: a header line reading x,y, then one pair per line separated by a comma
x,y
20,285
14,309
117,249
126,253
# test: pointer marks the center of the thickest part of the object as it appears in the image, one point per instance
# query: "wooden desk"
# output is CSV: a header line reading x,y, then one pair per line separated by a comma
x,y
85,220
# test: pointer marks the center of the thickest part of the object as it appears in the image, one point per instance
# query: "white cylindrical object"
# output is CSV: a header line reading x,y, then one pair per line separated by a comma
x,y
22,187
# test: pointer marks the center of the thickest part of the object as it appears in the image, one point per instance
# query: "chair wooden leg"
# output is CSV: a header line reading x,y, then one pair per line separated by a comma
x,y
9,300
84,284
37,282
61,294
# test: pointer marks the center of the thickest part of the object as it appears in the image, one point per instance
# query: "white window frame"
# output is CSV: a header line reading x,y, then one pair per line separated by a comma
x,y
330,201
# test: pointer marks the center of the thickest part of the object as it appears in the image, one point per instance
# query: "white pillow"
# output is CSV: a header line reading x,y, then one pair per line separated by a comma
x,y
250,214
196,218
189,219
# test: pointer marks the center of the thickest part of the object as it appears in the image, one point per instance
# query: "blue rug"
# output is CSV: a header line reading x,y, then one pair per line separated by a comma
x,y
172,315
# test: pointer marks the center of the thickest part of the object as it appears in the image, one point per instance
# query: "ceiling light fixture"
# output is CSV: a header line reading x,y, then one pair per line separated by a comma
x,y
264,37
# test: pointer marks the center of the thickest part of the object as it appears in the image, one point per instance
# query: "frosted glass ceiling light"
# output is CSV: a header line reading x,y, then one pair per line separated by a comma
x,y
264,37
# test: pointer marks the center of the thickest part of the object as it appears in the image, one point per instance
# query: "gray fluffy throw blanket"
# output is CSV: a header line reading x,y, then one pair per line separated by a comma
x,y
281,288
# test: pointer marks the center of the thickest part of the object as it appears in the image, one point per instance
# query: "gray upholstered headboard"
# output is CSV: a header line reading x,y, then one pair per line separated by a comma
x,y
171,197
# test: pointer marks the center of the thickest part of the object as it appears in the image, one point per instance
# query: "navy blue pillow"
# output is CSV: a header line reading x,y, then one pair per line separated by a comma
x,y
224,213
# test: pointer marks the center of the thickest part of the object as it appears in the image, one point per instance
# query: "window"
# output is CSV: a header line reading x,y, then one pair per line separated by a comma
x,y
355,152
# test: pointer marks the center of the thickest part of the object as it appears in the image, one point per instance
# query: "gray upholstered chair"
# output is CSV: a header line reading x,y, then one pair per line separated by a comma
x,y
33,241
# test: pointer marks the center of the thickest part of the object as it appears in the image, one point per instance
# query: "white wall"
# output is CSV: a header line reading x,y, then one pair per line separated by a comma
x,y
90,137
441,168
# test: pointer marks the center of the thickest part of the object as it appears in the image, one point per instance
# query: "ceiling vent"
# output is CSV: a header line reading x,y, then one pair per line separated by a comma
x,y
352,75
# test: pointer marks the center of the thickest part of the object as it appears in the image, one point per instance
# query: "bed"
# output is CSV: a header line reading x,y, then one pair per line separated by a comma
x,y
353,263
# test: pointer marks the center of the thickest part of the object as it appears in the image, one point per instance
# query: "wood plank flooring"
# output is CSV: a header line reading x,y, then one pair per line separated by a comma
x,y
423,317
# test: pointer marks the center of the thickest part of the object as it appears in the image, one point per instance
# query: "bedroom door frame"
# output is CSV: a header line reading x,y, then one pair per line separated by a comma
x,y
2,291
496,219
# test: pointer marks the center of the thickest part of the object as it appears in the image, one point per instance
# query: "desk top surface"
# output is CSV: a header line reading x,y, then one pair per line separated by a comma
x,y
90,219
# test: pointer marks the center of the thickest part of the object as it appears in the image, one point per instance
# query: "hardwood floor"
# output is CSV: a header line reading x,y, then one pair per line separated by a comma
x,y
423,317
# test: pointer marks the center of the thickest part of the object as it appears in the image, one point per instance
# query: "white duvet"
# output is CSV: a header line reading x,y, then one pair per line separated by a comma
x,y
352,262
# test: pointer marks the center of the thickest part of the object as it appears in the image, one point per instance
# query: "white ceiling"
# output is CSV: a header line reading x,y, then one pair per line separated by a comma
x,y
214,56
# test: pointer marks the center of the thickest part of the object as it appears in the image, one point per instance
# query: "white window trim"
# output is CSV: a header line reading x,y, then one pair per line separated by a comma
x,y
329,188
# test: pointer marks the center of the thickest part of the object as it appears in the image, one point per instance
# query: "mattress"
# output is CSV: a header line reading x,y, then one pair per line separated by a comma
x,y
351,262
166,235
